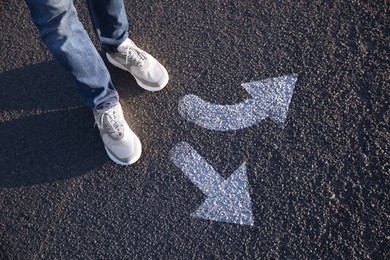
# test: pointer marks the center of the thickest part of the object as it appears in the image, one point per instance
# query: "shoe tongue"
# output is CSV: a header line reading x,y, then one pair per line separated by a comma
x,y
122,49
124,45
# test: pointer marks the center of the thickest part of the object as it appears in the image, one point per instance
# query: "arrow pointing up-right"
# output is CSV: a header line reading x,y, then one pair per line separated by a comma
x,y
269,98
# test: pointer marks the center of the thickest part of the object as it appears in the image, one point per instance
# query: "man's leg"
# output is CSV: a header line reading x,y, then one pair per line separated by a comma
x,y
110,23
64,35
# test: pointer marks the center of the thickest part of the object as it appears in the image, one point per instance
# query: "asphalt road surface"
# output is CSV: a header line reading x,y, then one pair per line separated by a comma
x,y
317,188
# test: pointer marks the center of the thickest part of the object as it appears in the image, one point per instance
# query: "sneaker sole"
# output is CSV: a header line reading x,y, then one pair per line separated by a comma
x,y
142,85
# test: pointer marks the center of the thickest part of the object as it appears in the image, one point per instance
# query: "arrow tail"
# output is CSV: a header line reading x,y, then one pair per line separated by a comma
x,y
195,167
220,117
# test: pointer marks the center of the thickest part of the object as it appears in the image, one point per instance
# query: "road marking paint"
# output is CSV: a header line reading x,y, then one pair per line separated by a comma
x,y
227,200
269,98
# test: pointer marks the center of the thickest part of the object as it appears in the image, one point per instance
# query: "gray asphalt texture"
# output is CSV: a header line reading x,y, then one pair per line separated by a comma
x,y
319,187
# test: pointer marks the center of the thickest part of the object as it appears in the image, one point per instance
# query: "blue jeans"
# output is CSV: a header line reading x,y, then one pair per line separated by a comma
x,y
65,37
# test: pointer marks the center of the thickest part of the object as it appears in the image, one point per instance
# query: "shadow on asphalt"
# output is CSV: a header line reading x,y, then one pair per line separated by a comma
x,y
47,131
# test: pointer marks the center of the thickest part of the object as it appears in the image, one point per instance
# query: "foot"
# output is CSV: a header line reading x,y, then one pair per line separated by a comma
x,y
122,145
147,71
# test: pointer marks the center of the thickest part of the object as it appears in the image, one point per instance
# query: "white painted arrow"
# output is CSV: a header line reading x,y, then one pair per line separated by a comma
x,y
269,98
227,200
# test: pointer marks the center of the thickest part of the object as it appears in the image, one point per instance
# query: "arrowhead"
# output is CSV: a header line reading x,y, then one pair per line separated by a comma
x,y
273,95
230,203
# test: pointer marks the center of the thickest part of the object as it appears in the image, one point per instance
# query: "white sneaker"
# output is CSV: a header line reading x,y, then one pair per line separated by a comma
x,y
147,71
122,145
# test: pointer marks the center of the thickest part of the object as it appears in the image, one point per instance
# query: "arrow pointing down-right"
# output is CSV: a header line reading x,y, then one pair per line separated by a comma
x,y
227,200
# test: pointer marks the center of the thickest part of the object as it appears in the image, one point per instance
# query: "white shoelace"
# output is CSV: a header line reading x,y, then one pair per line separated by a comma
x,y
134,55
111,123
